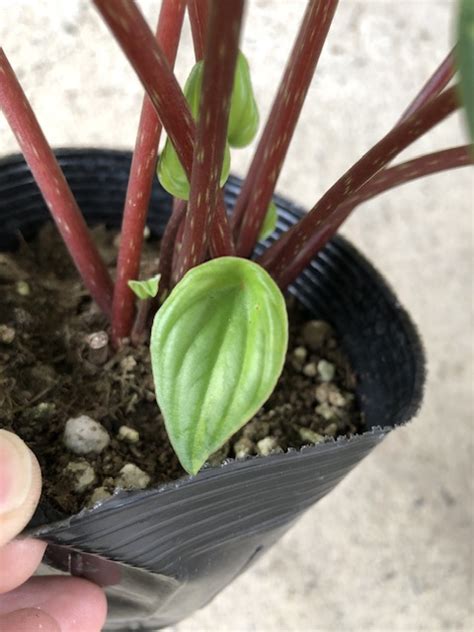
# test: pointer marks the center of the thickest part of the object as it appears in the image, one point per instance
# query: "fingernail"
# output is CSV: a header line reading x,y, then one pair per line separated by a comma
x,y
15,472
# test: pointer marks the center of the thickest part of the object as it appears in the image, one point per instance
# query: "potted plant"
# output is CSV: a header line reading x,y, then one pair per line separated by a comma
x,y
182,542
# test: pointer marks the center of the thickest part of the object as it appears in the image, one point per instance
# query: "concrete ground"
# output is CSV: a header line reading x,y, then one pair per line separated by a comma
x,y
391,549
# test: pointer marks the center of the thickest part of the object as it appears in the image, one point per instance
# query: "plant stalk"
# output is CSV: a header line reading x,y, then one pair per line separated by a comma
x,y
221,243
382,182
435,84
220,57
149,62
286,258
140,182
54,188
168,244
198,11
265,169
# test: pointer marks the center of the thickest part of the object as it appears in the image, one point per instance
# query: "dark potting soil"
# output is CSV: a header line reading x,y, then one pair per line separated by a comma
x,y
51,372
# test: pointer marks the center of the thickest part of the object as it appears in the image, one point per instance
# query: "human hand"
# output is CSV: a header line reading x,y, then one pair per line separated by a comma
x,y
30,604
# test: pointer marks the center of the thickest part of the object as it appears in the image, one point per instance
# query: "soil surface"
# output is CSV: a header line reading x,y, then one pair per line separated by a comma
x,y
56,367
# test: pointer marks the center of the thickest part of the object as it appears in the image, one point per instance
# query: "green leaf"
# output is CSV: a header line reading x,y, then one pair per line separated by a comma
x,y
465,58
145,289
170,171
269,223
244,116
218,344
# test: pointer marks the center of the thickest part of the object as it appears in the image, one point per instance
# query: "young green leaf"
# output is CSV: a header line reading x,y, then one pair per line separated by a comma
x,y
218,345
269,223
465,57
244,117
170,171
145,289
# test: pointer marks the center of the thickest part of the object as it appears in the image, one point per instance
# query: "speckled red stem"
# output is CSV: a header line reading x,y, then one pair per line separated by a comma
x,y
420,167
54,188
220,57
287,257
149,62
248,184
177,248
283,118
198,11
221,242
169,243
140,182
435,84
383,180
388,179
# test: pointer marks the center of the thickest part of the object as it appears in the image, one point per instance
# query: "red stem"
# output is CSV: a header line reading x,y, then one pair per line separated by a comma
x,y
198,11
221,242
407,171
380,183
284,258
286,109
168,244
54,188
248,185
177,250
139,330
220,57
435,84
388,179
140,182
149,62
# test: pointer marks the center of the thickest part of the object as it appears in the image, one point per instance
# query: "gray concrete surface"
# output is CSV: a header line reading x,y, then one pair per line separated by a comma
x,y
391,549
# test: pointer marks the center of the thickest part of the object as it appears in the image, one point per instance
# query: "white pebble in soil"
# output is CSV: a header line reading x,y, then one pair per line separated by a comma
x,y
331,430
309,435
336,398
83,435
326,411
299,354
128,363
310,369
322,393
132,477
268,445
243,447
7,334
130,435
99,494
315,333
326,370
82,475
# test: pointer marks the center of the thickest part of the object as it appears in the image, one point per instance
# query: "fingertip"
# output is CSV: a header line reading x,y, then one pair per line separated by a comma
x,y
28,620
20,485
18,561
90,606
76,604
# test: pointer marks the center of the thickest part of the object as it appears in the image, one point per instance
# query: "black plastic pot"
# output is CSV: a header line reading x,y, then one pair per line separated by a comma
x,y
163,553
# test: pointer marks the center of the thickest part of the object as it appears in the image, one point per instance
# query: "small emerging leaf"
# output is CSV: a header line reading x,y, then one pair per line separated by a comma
x,y
145,289
244,117
218,345
465,56
269,223
170,171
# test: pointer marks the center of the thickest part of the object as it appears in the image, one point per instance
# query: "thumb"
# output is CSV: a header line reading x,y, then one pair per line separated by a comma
x,y
20,485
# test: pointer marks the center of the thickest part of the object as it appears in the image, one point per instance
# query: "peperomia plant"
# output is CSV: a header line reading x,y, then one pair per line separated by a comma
x,y
219,333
